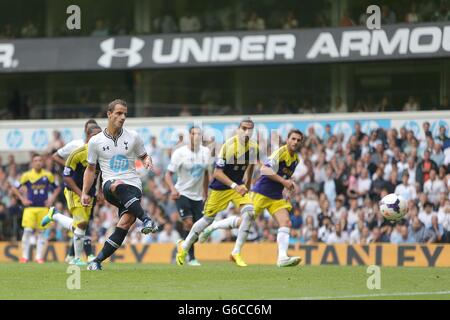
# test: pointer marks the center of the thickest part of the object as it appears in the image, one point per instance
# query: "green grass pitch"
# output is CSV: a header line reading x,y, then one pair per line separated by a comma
x,y
221,281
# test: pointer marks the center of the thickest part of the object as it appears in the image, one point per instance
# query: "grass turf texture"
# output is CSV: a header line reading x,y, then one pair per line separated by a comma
x,y
220,281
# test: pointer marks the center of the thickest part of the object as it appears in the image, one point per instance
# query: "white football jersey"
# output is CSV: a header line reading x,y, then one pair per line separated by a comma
x,y
65,151
190,168
117,157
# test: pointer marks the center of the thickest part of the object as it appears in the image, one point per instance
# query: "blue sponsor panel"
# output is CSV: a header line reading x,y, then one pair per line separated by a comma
x,y
39,139
67,135
14,139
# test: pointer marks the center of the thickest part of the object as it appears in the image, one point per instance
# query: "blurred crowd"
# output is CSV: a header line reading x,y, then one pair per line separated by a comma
x,y
340,181
239,16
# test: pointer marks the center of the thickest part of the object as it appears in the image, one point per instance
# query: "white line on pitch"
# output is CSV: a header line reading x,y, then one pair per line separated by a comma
x,y
373,295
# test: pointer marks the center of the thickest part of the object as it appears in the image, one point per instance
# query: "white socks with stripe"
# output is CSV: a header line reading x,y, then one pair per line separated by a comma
x,y
40,245
283,242
196,229
78,238
227,223
65,221
244,229
26,239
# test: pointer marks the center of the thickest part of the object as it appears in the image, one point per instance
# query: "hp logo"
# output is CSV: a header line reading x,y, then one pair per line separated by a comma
x,y
119,163
14,139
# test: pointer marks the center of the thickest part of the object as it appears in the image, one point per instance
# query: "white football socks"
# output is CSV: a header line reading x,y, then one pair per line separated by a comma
x,y
40,245
26,239
283,242
78,238
227,223
65,221
196,229
243,231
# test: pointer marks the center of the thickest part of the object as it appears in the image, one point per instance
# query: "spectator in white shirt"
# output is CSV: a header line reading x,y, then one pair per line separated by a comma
x,y
326,229
426,214
190,23
433,187
406,190
310,206
168,235
355,235
338,236
339,212
364,184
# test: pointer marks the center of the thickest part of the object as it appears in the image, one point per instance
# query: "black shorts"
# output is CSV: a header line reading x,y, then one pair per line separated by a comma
x,y
132,192
189,208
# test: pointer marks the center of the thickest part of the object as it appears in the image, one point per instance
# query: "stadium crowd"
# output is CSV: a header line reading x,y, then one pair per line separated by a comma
x,y
339,183
240,16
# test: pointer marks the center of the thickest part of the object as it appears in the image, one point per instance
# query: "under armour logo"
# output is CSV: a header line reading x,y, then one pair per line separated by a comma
x,y
126,145
105,148
134,58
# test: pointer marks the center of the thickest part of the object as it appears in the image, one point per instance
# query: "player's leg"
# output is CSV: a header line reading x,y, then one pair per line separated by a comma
x,y
80,222
27,224
197,228
284,223
115,240
185,211
41,242
248,215
130,198
87,245
197,210
216,202
230,222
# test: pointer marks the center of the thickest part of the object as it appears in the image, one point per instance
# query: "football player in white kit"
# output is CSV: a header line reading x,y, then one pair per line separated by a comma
x,y
116,150
60,157
191,163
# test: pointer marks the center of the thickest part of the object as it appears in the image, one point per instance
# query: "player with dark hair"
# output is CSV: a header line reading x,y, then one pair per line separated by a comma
x,y
190,163
267,193
116,150
236,159
60,157
73,178
37,183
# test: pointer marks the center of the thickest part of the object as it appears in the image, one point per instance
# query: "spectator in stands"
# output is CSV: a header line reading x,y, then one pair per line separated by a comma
x,y
437,228
7,32
443,14
433,187
290,22
420,233
211,18
442,137
412,16
165,24
387,15
168,235
404,235
346,20
437,155
411,104
424,168
255,22
190,23
338,235
339,106
101,30
29,30
445,105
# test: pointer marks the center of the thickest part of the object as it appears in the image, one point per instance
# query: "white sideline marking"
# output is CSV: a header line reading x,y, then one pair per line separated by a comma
x,y
374,295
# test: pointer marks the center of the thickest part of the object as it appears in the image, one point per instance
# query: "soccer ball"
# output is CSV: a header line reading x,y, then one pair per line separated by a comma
x,y
393,207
